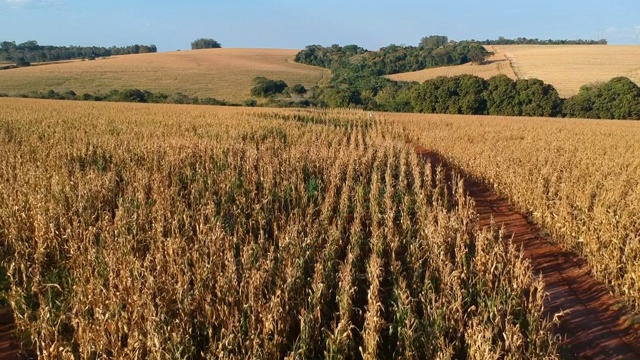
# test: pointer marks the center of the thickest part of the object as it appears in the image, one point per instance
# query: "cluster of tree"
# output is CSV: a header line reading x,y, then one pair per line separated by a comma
x,y
524,41
328,57
263,87
468,94
433,51
203,43
127,95
464,94
471,95
619,98
349,88
30,51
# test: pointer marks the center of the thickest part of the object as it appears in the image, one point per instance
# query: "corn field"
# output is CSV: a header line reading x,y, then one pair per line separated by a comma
x,y
160,232
578,179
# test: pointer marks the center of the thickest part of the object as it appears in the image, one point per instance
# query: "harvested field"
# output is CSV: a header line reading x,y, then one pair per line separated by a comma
x,y
225,74
566,67
497,64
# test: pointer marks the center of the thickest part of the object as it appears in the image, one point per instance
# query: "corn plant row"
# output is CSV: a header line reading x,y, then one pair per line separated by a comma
x,y
184,232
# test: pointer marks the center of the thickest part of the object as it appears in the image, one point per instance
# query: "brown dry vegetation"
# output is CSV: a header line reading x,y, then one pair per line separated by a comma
x,y
580,180
137,231
566,67
226,74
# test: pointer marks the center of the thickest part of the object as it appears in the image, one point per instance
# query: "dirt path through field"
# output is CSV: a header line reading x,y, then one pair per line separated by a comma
x,y
592,323
9,348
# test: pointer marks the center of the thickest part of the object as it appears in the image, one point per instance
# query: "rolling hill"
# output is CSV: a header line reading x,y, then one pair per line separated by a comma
x,y
566,67
226,74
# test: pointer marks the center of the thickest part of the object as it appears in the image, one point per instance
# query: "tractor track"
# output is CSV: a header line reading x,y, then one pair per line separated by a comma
x,y
9,346
592,322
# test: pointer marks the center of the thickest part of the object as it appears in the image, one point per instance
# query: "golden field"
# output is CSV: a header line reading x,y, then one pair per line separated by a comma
x,y
177,231
225,74
496,64
578,179
566,67
164,231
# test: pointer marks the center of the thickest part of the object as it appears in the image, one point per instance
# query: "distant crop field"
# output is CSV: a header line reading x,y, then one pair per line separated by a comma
x,y
226,74
566,67
497,64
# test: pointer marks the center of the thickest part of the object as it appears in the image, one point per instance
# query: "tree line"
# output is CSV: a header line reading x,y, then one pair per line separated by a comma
x,y
432,51
463,94
524,41
126,95
31,52
618,98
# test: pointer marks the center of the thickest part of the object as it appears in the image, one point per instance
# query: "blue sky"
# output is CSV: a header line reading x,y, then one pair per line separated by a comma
x,y
173,25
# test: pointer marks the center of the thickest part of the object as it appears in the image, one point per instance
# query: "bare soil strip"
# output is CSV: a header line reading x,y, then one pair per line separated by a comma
x,y
9,347
592,322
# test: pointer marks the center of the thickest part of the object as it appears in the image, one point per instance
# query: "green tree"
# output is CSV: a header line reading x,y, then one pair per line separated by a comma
x,y
471,90
433,41
477,54
396,97
432,51
180,98
426,99
127,95
341,98
619,98
298,89
21,62
264,87
203,43
29,45
502,96
7,45
147,49
535,98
